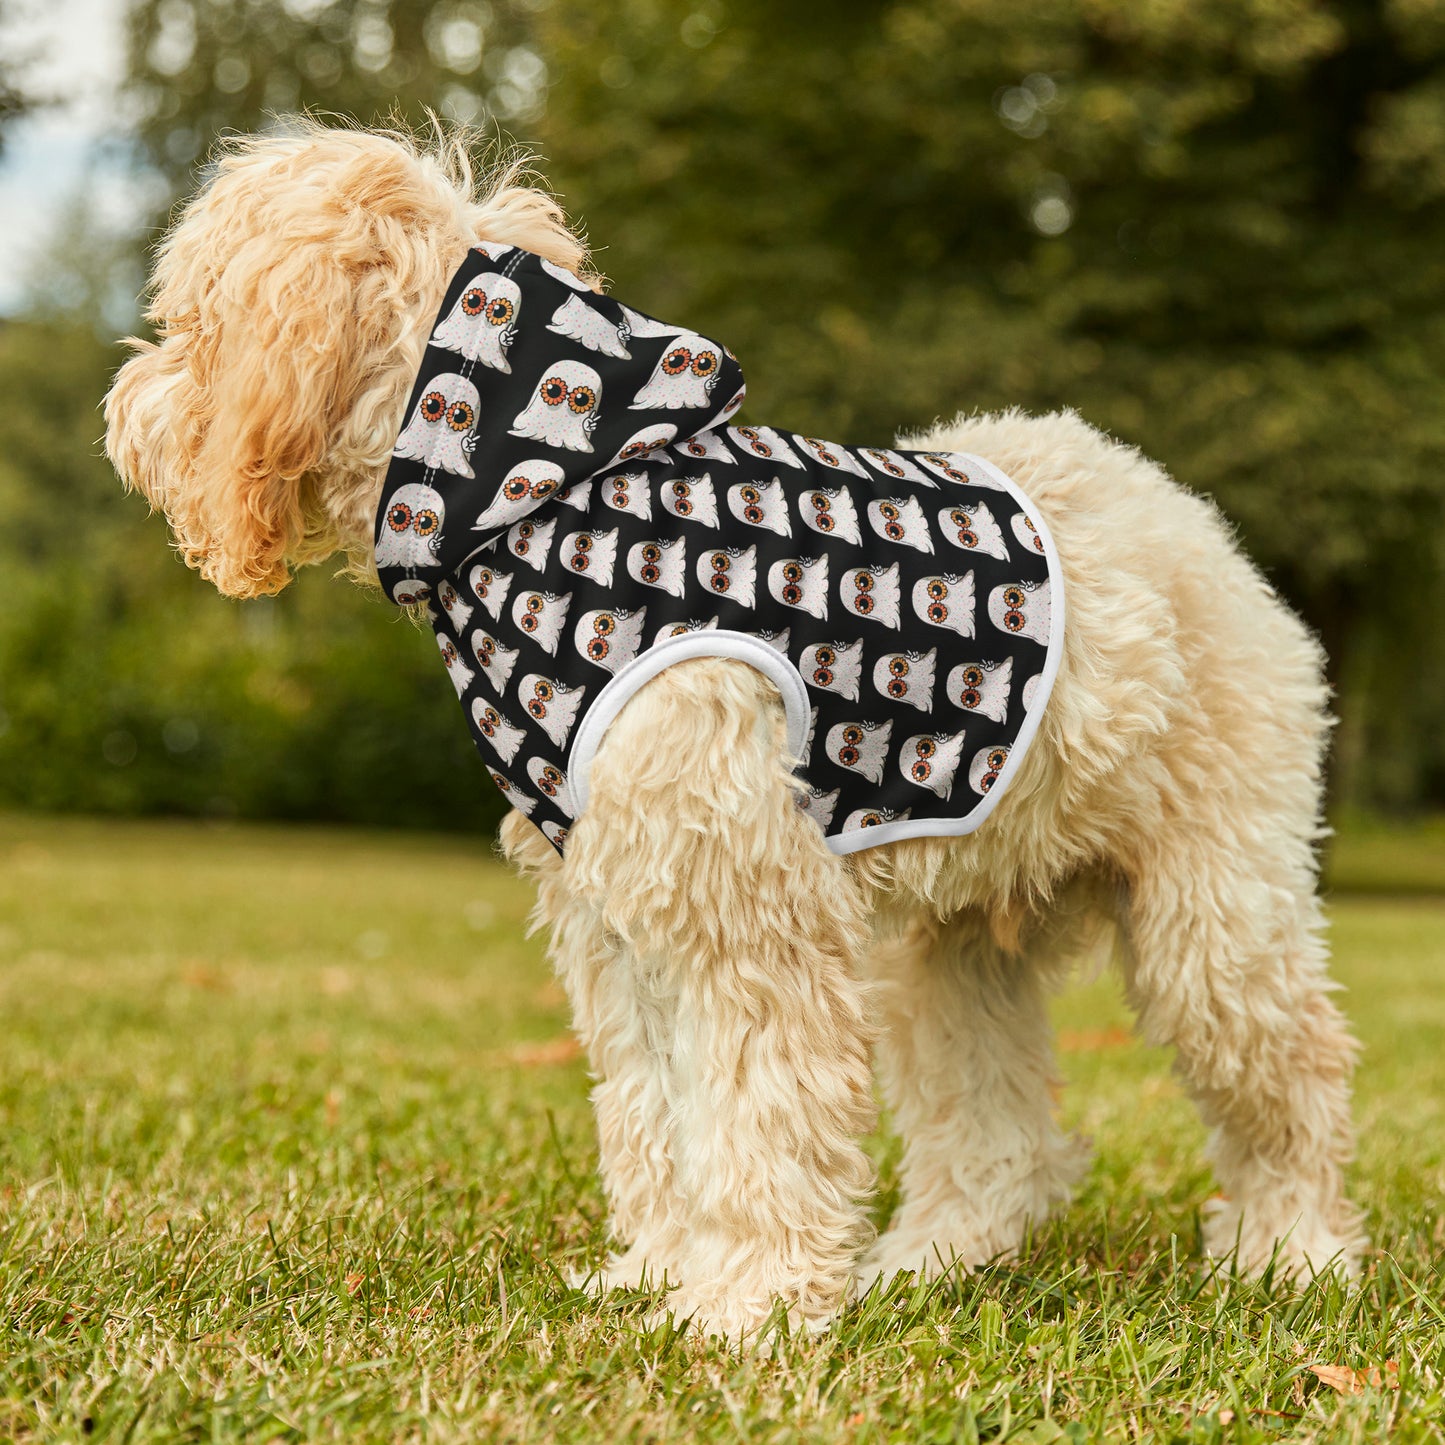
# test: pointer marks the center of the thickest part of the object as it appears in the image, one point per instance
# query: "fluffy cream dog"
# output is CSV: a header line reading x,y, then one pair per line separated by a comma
x,y
729,976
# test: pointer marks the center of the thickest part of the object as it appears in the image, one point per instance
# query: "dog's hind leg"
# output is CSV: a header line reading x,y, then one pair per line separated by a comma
x,y
1227,964
966,1062
742,931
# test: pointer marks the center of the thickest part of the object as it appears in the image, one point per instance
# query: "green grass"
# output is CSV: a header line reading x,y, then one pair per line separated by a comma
x,y
290,1149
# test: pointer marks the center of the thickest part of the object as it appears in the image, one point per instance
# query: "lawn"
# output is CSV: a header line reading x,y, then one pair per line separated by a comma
x,y
293,1145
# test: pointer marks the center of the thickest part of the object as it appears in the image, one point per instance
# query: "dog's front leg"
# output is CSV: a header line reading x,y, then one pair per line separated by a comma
x,y
741,930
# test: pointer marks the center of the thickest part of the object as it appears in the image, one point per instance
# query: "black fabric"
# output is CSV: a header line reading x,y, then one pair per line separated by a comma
x,y
566,492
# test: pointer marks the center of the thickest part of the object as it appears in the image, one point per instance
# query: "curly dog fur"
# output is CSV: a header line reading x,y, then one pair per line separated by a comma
x,y
731,979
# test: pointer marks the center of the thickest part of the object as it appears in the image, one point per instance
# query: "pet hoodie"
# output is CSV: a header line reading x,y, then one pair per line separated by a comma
x,y
570,501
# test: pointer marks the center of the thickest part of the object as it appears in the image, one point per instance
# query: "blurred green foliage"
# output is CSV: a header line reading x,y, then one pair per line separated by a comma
x,y
1215,227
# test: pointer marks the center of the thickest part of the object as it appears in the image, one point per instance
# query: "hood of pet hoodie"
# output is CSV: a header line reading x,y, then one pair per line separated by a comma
x,y
565,502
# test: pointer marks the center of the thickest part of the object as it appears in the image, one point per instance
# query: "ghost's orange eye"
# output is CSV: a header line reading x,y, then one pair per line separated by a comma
x,y
888,511
998,757
751,495
970,697
449,652
792,572
960,518
681,489
720,561
582,399
823,676
604,624
499,312
696,449
433,406
973,677
1013,620
486,647
598,648
583,542
619,499
870,820
677,361
473,301
461,416
516,488
824,656
819,501
543,690
748,432
426,522
937,612
863,604
398,516
853,734
863,581
937,588
484,580
848,756
792,594
650,573
704,363
926,747
543,489
967,538
652,553
898,666
554,391
534,603
921,771
1013,596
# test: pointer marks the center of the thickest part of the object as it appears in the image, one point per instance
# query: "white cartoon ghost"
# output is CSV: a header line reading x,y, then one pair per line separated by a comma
x,y
1023,609
578,496
861,818
1030,689
684,377
931,760
439,433
659,564
907,677
730,572
550,780
705,446
564,408
411,530
678,629
550,705
556,833
972,527
872,592
493,250
527,484
522,802
733,403
987,764
566,277
610,636
830,510
587,326
954,467
490,588
505,738
691,498
541,615
591,554
761,504
483,323
641,325
778,640
982,687
409,591
946,601
457,670
495,661
629,492
820,805
643,443
1026,532
454,605
901,519
830,454
833,667
895,465
861,747
801,582
764,442
531,541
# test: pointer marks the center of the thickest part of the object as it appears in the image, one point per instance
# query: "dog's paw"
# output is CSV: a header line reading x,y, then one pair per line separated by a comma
x,y
634,1270
751,1324
1299,1245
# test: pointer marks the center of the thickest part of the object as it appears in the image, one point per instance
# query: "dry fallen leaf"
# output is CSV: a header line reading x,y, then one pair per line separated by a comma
x,y
1355,1382
354,1283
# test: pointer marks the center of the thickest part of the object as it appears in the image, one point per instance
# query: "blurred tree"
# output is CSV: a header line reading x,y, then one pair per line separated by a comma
x,y
14,101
